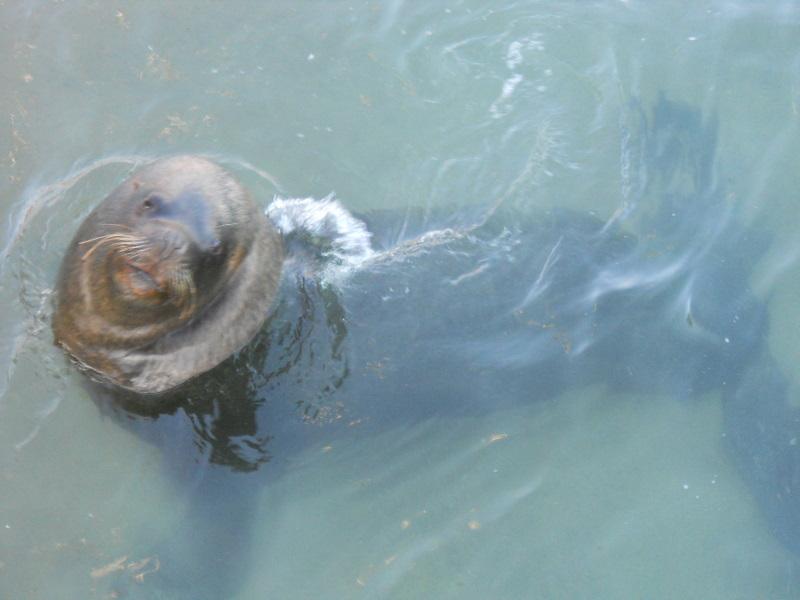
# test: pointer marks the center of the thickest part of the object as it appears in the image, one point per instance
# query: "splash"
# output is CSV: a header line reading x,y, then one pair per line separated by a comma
x,y
514,58
338,241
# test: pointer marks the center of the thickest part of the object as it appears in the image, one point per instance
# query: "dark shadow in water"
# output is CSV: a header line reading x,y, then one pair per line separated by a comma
x,y
763,431
516,310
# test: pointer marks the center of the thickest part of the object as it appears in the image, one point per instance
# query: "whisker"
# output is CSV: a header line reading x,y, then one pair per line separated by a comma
x,y
133,246
133,254
114,236
100,241
183,292
122,240
99,237
188,293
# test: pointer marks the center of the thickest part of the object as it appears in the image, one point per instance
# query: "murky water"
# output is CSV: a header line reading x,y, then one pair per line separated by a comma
x,y
564,367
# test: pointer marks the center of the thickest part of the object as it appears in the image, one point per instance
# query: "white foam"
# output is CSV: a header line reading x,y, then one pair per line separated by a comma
x,y
342,240
499,107
514,58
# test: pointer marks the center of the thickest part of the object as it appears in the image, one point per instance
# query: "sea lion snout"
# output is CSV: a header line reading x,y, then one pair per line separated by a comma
x,y
189,213
179,250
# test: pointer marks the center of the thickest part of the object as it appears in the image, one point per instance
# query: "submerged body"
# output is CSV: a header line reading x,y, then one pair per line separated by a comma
x,y
170,274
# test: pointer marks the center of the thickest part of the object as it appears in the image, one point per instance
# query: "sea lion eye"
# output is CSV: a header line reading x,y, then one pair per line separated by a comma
x,y
216,247
151,202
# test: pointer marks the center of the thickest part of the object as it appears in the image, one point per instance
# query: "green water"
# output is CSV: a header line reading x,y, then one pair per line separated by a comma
x,y
450,106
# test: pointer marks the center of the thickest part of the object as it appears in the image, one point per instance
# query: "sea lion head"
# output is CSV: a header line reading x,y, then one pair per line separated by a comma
x,y
170,274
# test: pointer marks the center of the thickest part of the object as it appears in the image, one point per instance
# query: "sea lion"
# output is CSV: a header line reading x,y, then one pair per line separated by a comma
x,y
173,272
520,310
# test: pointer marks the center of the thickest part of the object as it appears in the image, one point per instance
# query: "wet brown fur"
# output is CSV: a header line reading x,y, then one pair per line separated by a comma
x,y
140,305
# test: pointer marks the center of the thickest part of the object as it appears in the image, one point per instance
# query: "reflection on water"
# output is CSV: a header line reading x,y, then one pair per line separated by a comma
x,y
525,361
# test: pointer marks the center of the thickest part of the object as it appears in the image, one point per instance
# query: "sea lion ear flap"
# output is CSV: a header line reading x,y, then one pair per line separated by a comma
x,y
136,185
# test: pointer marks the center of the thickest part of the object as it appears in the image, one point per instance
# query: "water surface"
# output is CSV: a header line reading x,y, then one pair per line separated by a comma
x,y
524,391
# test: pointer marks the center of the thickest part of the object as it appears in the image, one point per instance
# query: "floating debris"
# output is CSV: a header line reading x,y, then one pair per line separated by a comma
x,y
496,437
137,568
112,567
